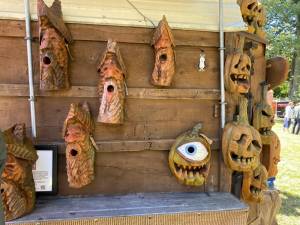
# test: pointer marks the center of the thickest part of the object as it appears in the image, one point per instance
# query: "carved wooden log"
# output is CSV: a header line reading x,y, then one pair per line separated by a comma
x,y
241,143
163,42
80,151
254,183
17,186
112,87
277,71
189,157
54,37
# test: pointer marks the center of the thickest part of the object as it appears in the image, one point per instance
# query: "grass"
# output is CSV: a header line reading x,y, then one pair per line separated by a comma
x,y
288,178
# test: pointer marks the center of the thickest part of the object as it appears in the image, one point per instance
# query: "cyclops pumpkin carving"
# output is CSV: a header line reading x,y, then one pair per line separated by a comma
x,y
80,151
263,116
271,153
112,87
54,37
163,42
237,73
17,185
254,183
189,157
241,143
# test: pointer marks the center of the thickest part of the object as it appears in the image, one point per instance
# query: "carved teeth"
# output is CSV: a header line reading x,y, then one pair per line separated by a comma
x,y
185,173
191,175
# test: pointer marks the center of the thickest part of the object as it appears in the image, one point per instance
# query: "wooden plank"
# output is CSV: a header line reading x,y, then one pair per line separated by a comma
x,y
138,58
22,90
142,204
86,32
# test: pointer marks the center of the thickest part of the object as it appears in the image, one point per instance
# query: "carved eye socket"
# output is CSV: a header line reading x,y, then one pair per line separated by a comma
x,y
163,58
193,151
256,144
248,67
73,152
110,88
257,177
46,60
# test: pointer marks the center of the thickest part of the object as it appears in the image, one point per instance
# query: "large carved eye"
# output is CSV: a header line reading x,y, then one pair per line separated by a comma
x,y
193,151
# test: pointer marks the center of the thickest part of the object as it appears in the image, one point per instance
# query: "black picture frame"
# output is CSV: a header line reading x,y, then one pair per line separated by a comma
x,y
54,150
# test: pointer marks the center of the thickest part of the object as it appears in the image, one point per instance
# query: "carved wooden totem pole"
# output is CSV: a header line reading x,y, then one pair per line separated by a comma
x,y
80,151
54,40
163,42
189,157
241,143
17,185
112,86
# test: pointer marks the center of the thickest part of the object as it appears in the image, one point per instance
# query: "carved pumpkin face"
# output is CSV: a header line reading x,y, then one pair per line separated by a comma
x,y
80,151
189,157
241,147
111,86
263,118
254,182
237,73
53,61
164,68
249,9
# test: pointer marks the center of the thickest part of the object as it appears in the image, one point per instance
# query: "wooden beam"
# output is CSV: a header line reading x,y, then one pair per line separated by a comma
x,y
132,145
22,90
86,32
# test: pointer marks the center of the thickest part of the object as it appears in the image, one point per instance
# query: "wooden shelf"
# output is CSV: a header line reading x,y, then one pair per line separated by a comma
x,y
146,208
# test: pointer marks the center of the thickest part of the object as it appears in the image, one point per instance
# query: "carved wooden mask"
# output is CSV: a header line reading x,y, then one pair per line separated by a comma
x,y
263,116
112,87
254,183
17,185
189,157
163,42
80,151
241,143
54,37
271,153
237,73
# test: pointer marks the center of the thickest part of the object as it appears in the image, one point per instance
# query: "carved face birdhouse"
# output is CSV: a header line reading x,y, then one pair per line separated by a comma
x,y
237,73
112,87
80,151
54,37
17,186
189,157
263,116
241,143
254,183
163,42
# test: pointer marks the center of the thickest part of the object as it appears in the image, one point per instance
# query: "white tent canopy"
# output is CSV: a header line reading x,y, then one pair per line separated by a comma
x,y
181,14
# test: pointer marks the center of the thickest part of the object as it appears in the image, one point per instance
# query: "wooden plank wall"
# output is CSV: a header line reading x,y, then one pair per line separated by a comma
x,y
132,157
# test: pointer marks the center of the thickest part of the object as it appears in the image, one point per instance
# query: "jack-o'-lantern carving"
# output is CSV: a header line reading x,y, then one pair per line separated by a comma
x,y
237,73
163,42
241,143
254,183
112,87
17,185
80,151
189,157
54,39
271,153
263,116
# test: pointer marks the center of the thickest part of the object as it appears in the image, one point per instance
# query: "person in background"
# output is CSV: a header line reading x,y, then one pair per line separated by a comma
x,y
296,127
288,115
2,164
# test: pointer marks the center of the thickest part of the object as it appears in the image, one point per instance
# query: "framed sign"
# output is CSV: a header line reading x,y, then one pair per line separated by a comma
x,y
45,169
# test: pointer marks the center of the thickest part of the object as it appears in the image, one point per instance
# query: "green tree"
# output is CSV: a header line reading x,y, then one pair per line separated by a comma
x,y
282,30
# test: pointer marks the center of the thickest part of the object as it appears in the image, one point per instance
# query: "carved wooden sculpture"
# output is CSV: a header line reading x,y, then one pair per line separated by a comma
x,y
271,153
254,183
80,151
254,15
17,186
263,116
237,73
163,42
189,157
54,37
277,71
112,87
241,143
